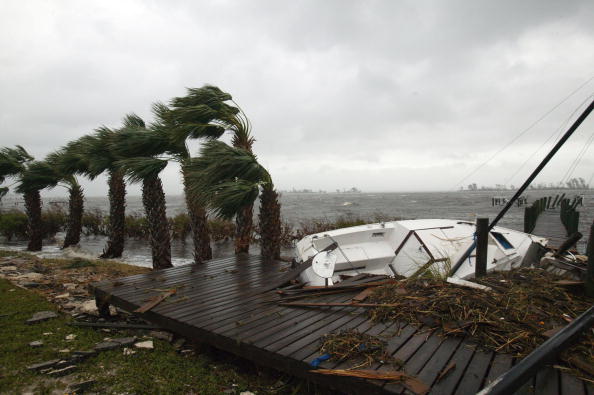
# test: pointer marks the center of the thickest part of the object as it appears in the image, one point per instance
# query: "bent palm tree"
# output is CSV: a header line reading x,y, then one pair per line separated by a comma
x,y
16,163
197,115
35,177
228,180
232,118
128,148
65,166
90,156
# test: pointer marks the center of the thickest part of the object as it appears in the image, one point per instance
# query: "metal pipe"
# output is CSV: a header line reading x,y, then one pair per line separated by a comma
x,y
528,181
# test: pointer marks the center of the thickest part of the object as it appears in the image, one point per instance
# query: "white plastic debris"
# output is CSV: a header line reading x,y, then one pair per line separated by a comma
x,y
146,344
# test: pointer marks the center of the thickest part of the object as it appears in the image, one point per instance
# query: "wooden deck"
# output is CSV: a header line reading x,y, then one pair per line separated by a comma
x,y
218,303
549,225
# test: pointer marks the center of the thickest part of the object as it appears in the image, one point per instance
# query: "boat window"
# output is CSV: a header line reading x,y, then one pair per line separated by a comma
x,y
377,234
502,240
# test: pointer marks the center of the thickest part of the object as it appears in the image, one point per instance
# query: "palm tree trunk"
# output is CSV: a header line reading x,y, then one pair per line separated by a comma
x,y
153,199
117,216
199,225
34,224
76,207
243,230
270,224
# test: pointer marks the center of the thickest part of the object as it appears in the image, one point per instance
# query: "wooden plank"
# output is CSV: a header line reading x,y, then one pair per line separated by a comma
x,y
439,360
571,385
460,359
416,362
475,373
501,363
547,381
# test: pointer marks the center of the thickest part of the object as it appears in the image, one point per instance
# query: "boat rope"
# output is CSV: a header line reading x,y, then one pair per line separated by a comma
x,y
524,131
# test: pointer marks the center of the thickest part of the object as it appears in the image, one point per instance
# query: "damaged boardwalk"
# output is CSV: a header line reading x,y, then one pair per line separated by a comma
x,y
221,303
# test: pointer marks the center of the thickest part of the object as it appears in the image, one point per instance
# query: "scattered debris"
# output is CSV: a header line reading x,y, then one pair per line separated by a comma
x,y
41,316
36,344
70,337
62,372
43,365
466,283
81,387
124,341
108,345
148,344
128,351
167,336
155,301
114,325
359,348
451,366
512,318
64,351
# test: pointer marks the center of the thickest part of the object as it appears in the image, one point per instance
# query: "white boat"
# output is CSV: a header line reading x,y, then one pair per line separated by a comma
x,y
406,248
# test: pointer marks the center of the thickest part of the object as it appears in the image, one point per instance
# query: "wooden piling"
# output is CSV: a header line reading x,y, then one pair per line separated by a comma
x,y
589,284
482,241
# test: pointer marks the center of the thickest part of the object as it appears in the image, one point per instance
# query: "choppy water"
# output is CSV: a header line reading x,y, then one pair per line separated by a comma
x,y
302,207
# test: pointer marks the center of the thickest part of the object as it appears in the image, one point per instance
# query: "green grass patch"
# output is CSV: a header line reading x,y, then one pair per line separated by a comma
x,y
158,371
78,263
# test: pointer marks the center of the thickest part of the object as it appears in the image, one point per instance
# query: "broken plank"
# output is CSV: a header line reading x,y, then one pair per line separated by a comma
x,y
155,301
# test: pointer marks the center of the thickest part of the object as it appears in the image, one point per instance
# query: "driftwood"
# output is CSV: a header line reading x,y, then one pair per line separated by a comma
x,y
113,325
155,301
410,382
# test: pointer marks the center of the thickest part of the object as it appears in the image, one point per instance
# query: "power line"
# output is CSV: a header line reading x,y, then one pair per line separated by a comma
x,y
578,159
557,133
524,131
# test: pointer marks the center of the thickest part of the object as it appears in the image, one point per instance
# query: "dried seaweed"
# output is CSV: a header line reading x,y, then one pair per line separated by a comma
x,y
359,349
512,318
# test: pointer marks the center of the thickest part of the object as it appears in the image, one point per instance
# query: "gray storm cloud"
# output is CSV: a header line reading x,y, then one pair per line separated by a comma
x,y
380,95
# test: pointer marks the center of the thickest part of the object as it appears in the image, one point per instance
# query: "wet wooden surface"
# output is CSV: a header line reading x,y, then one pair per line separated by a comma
x,y
217,303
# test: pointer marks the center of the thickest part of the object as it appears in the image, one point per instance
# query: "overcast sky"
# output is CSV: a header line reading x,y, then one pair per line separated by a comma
x,y
381,95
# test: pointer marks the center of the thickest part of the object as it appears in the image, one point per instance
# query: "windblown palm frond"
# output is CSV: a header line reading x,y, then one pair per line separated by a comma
x,y
12,161
69,160
140,168
137,142
133,121
219,162
38,175
228,198
96,148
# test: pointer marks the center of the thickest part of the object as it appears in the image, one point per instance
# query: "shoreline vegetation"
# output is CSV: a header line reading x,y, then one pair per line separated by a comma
x,y
13,225
29,285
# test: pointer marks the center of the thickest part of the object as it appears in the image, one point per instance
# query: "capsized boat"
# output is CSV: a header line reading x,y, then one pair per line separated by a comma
x,y
406,248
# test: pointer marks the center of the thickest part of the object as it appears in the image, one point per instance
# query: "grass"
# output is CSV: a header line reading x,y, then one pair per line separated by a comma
x,y
162,370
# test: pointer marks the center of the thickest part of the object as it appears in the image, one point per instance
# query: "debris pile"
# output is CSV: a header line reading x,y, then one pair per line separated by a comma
x,y
359,348
522,309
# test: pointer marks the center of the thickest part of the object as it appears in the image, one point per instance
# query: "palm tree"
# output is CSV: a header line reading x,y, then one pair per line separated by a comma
x,y
65,166
17,163
229,179
132,147
197,115
90,156
232,118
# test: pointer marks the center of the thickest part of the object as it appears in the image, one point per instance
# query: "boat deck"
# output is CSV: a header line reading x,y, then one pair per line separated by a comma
x,y
219,303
